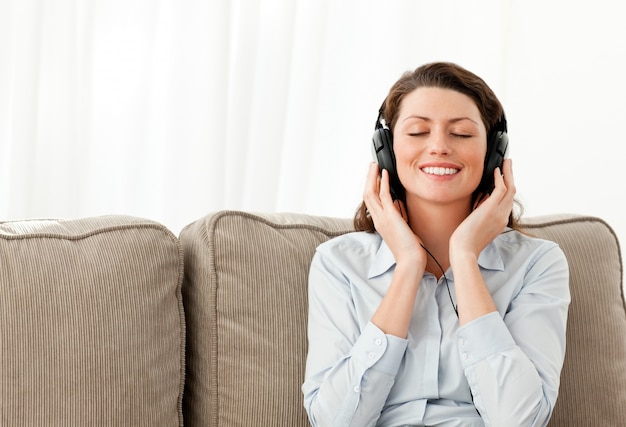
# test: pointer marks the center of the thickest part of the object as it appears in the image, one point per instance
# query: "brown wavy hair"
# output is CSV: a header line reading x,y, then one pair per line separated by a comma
x,y
444,75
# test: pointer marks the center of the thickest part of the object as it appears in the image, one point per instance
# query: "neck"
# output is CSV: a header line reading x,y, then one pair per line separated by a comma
x,y
434,225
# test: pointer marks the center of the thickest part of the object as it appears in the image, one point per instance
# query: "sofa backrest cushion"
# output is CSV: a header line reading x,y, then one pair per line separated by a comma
x,y
245,300
91,323
246,304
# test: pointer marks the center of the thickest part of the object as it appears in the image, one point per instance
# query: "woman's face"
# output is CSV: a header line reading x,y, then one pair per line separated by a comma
x,y
440,143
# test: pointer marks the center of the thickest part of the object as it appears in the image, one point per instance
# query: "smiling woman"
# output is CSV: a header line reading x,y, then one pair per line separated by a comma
x,y
387,345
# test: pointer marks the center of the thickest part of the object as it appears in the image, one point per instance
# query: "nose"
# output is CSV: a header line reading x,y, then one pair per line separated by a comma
x,y
439,143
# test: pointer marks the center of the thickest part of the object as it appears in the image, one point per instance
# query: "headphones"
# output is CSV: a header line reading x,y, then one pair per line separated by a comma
x,y
382,153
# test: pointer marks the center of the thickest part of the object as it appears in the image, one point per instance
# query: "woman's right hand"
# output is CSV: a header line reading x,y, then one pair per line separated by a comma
x,y
395,311
391,220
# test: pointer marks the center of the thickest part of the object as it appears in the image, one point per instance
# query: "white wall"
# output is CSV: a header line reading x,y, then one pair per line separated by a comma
x,y
173,109
558,67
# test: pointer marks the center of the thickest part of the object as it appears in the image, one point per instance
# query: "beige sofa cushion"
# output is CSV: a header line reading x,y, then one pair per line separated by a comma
x,y
91,323
245,298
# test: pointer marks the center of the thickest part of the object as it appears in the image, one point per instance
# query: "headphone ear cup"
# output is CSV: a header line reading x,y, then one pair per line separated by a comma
x,y
382,150
382,153
497,150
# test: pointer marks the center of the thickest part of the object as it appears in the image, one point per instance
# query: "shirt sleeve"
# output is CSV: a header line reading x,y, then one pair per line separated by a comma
x,y
350,367
513,360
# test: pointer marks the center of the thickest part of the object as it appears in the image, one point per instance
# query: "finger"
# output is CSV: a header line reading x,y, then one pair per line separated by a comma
x,y
401,209
505,182
499,188
497,179
372,189
509,181
372,180
385,188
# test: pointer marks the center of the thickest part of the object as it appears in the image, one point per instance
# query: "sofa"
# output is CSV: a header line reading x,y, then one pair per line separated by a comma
x,y
117,321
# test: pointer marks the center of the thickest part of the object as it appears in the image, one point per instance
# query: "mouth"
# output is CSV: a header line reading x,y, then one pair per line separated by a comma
x,y
430,170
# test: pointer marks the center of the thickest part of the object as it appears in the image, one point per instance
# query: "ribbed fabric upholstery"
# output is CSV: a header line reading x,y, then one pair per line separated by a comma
x,y
593,381
245,299
91,323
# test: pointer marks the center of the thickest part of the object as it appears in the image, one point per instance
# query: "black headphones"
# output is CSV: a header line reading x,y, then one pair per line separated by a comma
x,y
382,153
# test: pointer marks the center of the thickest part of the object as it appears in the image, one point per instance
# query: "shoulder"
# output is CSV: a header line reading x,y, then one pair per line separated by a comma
x,y
514,245
358,242
514,240
354,250
344,259
526,265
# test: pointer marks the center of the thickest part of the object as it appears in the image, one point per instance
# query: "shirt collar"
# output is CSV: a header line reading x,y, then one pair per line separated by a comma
x,y
383,260
489,259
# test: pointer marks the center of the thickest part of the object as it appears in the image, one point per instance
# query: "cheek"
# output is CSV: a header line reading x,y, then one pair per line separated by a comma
x,y
405,154
404,151
477,160
479,156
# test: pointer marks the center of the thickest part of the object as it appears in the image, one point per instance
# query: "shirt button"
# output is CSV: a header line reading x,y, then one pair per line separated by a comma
x,y
378,342
357,389
371,355
461,342
465,356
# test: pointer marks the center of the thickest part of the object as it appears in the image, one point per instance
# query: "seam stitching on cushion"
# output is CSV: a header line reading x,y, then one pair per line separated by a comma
x,y
285,226
209,229
107,229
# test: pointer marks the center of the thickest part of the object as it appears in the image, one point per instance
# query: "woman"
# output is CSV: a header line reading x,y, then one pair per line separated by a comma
x,y
437,311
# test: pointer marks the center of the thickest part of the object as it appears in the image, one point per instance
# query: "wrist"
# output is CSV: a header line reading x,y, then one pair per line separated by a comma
x,y
409,268
461,258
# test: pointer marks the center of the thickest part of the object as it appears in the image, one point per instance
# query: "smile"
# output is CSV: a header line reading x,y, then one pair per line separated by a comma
x,y
439,171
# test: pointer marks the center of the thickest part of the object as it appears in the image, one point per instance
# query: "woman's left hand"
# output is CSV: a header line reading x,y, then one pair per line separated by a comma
x,y
489,219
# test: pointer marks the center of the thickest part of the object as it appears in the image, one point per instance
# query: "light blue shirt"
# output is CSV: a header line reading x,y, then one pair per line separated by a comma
x,y
511,359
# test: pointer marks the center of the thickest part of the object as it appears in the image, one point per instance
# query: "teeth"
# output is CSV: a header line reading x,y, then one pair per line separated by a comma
x,y
440,171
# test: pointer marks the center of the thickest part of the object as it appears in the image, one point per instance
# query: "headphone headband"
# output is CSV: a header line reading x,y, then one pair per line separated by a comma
x,y
501,124
380,121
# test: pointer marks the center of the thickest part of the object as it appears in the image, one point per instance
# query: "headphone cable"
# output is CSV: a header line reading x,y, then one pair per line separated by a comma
x,y
445,279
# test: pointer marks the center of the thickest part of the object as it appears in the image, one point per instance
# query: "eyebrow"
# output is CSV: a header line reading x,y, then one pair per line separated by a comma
x,y
428,119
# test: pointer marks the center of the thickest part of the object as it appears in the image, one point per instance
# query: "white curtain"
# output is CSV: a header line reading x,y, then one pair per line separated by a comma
x,y
170,109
